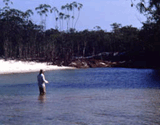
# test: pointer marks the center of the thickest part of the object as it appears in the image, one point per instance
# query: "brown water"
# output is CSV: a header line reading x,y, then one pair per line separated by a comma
x,y
82,97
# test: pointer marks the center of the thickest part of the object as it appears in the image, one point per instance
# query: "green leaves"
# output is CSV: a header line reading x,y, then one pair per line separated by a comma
x,y
141,7
7,2
42,9
150,9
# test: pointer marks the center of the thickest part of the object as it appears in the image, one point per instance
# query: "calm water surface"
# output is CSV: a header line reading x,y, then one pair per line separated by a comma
x,y
100,96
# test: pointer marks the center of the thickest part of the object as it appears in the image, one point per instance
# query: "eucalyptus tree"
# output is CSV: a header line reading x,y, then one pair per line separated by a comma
x,y
4,15
7,2
79,6
67,18
6,8
128,38
73,5
85,33
29,35
42,10
97,28
27,14
150,8
115,27
151,28
61,18
56,13
13,24
67,9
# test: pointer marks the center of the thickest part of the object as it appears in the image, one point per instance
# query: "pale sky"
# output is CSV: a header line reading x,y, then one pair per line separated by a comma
x,y
93,13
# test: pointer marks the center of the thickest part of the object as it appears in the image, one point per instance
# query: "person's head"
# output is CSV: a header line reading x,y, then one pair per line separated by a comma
x,y
41,71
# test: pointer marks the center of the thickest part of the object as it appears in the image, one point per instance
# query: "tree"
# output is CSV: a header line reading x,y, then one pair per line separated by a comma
x,y
149,34
98,28
116,26
5,18
27,14
61,17
151,9
42,9
79,6
56,12
67,17
67,8
7,2
73,5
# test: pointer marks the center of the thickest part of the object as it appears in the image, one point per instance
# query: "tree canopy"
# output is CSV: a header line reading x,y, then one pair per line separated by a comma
x,y
20,38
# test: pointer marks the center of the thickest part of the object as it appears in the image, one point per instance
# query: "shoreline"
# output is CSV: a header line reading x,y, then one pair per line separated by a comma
x,y
14,66
17,66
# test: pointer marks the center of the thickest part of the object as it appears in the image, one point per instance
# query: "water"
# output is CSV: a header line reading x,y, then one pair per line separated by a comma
x,y
100,96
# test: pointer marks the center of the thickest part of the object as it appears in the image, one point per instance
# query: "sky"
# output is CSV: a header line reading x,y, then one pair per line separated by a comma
x,y
101,13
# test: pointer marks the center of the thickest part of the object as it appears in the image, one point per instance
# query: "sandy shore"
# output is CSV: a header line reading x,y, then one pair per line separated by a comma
x,y
12,66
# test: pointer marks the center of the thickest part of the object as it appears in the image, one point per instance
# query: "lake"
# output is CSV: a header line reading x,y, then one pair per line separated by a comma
x,y
98,96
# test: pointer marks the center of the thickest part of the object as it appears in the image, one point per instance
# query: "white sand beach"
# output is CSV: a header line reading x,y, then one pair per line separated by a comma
x,y
13,66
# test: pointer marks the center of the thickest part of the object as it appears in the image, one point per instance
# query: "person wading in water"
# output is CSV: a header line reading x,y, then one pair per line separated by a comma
x,y
41,82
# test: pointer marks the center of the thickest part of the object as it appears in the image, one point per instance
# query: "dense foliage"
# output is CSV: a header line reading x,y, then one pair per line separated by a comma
x,y
20,38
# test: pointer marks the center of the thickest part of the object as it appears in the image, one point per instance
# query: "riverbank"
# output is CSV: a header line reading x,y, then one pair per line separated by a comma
x,y
14,66
93,63
116,59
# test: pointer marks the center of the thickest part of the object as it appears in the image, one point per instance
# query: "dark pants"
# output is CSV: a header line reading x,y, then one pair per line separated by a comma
x,y
42,90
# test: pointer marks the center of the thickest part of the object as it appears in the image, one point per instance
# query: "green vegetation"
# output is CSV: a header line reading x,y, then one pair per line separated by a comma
x,y
20,38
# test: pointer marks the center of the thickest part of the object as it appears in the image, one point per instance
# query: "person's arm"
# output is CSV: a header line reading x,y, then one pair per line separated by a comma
x,y
44,78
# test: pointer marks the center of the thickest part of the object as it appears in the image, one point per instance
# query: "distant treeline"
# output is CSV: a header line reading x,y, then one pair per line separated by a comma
x,y
20,38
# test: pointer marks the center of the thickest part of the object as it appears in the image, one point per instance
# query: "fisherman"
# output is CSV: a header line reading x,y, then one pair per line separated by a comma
x,y
41,82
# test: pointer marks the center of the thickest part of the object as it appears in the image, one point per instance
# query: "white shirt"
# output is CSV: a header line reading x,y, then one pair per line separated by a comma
x,y
41,80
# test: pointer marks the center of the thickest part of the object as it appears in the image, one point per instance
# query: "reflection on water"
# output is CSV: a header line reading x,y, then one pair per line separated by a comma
x,y
155,75
115,96
42,98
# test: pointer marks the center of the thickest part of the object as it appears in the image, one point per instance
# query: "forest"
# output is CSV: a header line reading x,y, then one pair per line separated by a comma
x,y
21,39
